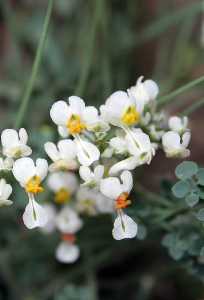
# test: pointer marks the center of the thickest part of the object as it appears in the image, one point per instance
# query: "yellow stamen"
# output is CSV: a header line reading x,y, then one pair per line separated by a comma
x,y
75,125
131,116
68,237
62,196
33,185
122,201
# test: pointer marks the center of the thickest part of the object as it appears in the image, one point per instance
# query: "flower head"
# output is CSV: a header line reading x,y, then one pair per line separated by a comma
x,y
73,117
175,145
15,143
30,175
121,110
145,91
63,184
64,155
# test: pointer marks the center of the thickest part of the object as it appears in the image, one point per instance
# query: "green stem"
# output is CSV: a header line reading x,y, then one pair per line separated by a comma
x,y
166,99
29,88
89,51
193,107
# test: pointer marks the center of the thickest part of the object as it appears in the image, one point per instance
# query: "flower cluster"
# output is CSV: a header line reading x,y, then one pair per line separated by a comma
x,y
90,169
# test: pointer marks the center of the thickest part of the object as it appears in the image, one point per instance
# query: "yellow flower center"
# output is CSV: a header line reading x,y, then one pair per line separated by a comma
x,y
33,185
131,116
122,201
62,196
75,125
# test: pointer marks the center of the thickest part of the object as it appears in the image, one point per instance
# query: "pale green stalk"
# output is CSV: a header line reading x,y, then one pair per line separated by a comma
x,y
29,88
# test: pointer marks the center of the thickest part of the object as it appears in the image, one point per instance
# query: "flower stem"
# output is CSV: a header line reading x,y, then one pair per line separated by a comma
x,y
166,99
88,56
29,88
193,107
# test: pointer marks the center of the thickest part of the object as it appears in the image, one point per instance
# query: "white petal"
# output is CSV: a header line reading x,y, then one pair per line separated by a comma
x,y
6,202
98,172
51,215
63,131
35,215
85,173
111,187
87,152
127,181
67,149
186,137
51,150
77,105
67,253
24,169
171,140
68,221
6,191
60,113
124,228
41,168
152,88
23,136
127,164
9,138
90,115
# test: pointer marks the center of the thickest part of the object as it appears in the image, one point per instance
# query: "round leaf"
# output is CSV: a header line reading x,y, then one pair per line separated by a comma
x,y
192,199
200,176
186,170
181,189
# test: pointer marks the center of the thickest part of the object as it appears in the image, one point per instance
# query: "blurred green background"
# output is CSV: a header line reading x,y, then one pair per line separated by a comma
x,y
93,48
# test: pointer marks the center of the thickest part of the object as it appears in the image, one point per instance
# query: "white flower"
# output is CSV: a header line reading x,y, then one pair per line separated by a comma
x,y
144,91
124,227
178,124
176,146
140,148
67,252
5,192
121,110
86,201
91,178
64,184
51,218
74,117
112,188
68,221
30,176
103,204
87,153
6,164
64,155
15,143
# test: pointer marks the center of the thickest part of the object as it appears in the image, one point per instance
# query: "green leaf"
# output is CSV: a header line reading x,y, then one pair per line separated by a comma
x,y
200,215
192,199
186,170
181,189
201,194
200,176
